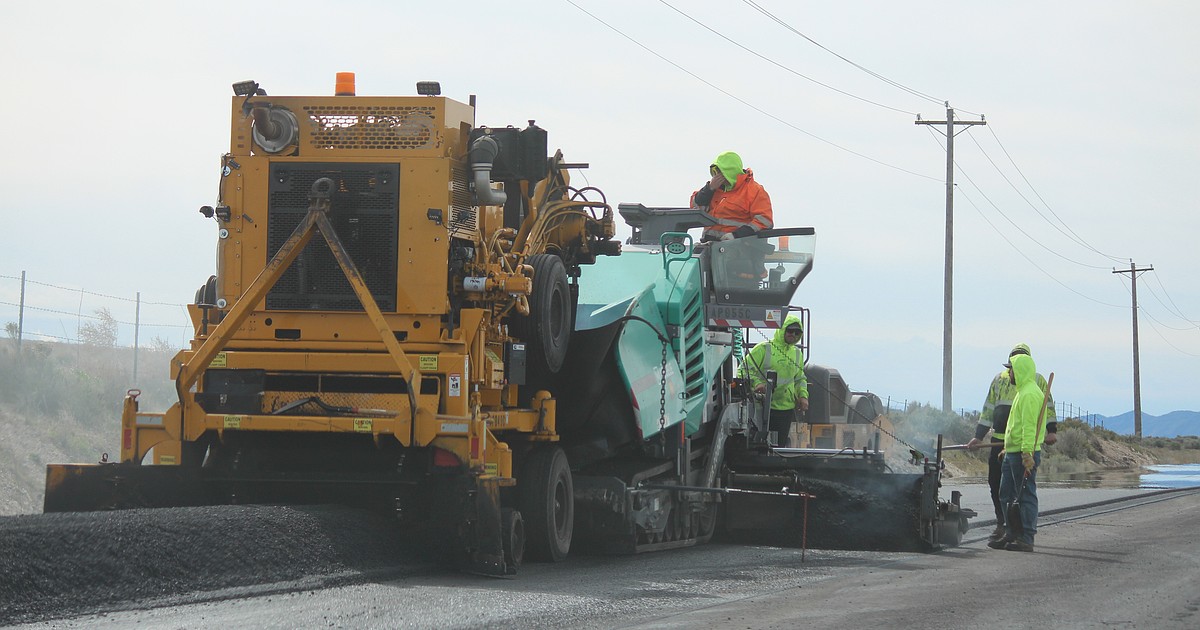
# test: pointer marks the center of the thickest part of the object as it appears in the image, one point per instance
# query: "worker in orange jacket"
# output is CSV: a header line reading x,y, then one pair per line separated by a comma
x,y
741,205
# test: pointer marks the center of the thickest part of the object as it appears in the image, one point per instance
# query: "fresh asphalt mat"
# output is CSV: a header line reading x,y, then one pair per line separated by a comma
x,y
56,565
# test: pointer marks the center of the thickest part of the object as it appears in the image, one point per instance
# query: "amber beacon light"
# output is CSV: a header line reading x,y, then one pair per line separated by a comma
x,y
345,84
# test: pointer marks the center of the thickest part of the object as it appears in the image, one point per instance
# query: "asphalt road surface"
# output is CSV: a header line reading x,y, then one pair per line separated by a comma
x,y
1132,563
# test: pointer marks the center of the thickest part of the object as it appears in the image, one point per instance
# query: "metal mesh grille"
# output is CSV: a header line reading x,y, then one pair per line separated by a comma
x,y
464,215
365,211
382,128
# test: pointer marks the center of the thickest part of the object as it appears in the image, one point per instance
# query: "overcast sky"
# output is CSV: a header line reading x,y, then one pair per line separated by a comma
x,y
116,114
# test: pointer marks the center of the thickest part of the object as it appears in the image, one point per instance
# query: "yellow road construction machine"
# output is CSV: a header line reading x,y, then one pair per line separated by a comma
x,y
419,314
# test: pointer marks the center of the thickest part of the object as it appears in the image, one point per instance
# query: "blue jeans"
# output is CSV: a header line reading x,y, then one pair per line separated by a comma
x,y
1010,482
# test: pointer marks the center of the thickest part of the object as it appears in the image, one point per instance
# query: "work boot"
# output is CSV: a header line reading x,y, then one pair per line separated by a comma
x,y
997,533
999,543
1018,545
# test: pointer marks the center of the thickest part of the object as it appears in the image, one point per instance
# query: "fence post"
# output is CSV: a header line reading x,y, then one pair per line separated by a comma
x,y
21,314
137,325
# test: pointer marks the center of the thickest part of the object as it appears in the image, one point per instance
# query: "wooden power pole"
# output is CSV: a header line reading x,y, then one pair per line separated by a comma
x,y
1137,373
948,274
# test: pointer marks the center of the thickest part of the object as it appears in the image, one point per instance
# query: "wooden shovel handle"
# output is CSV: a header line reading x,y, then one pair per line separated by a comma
x,y
1041,416
1045,401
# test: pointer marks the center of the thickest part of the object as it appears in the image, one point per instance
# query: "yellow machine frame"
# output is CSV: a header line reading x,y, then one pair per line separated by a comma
x,y
469,419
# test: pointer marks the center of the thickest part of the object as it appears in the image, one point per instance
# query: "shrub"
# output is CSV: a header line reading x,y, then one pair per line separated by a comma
x,y
1074,444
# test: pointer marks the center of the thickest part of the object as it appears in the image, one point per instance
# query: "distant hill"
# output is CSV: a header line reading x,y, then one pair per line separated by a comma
x,y
1173,424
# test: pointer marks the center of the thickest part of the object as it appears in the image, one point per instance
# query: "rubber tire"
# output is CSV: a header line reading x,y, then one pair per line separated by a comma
x,y
207,293
547,328
512,535
194,453
546,500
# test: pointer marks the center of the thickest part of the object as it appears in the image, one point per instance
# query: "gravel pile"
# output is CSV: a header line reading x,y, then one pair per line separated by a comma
x,y
55,565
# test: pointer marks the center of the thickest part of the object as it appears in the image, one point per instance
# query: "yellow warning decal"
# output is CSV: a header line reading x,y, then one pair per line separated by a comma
x,y
490,468
233,422
167,460
219,361
427,362
364,425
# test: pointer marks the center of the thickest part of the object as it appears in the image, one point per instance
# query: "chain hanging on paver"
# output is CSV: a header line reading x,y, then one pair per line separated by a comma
x,y
662,397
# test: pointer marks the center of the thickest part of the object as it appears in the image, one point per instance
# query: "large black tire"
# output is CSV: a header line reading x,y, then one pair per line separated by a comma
x,y
547,504
547,328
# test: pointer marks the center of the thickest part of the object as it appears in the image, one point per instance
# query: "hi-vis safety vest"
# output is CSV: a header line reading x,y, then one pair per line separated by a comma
x,y
791,382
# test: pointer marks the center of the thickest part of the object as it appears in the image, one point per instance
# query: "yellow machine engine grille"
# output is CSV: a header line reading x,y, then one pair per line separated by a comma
x,y
380,128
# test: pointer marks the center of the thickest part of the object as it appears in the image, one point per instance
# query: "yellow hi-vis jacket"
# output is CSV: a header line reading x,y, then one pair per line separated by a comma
x,y
1025,434
787,361
997,407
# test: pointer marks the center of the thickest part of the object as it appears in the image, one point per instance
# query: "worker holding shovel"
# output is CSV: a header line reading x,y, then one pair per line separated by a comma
x,y
1022,454
994,419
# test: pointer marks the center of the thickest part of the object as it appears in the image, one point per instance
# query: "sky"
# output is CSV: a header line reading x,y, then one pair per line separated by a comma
x,y
118,113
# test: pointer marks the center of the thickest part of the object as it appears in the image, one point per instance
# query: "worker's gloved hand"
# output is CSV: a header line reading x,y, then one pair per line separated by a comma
x,y
971,444
743,231
1051,438
802,405
728,236
1027,462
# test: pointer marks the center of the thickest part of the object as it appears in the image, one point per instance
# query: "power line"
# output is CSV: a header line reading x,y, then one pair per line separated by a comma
x,y
1069,232
1010,221
1161,303
780,65
777,20
1076,239
743,101
1160,335
1073,235
1178,313
1027,258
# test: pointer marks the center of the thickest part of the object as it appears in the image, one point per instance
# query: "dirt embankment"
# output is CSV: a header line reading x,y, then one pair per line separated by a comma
x,y
1110,454
27,444
1104,455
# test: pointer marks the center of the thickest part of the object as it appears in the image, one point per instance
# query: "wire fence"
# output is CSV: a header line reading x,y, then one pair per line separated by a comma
x,y
1063,411
36,310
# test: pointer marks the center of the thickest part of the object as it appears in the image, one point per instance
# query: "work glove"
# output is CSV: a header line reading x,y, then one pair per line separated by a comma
x,y
743,231
1027,462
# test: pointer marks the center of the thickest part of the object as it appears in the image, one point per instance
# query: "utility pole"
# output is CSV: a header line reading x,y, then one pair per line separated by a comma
x,y
1137,373
948,274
